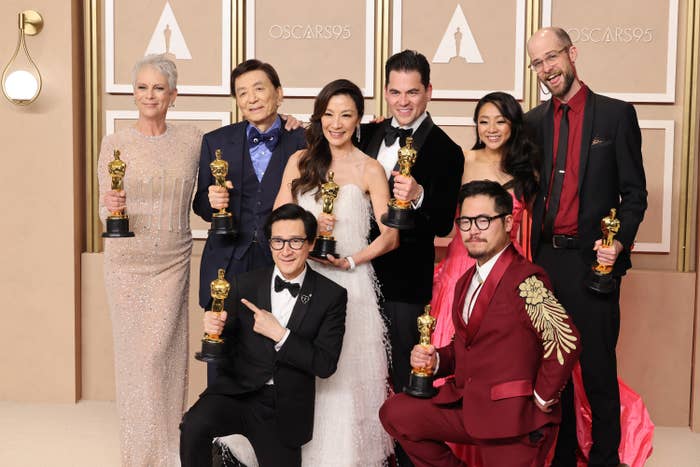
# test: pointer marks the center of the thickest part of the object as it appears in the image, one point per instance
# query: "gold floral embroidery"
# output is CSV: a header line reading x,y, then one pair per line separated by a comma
x,y
548,317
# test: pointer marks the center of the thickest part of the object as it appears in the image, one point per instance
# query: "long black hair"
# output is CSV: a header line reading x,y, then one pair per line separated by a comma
x,y
521,156
314,163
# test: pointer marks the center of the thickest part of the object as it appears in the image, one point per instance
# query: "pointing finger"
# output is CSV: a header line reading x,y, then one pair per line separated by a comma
x,y
250,305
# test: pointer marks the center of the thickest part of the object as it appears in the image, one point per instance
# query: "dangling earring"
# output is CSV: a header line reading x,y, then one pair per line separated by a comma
x,y
543,88
357,132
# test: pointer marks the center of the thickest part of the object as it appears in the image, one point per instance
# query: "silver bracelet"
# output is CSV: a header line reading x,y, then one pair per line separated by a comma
x,y
351,262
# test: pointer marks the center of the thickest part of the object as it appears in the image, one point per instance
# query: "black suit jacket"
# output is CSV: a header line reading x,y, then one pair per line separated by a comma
x,y
406,274
317,326
611,174
232,141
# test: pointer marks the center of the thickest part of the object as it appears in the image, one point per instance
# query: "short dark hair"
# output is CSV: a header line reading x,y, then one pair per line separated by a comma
x,y
502,199
292,212
252,65
408,60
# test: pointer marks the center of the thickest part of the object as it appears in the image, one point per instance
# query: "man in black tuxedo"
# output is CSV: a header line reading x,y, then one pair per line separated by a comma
x,y
257,150
592,162
265,388
406,274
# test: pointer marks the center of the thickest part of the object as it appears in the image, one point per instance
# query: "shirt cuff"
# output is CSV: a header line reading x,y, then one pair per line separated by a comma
x,y
539,399
279,345
417,203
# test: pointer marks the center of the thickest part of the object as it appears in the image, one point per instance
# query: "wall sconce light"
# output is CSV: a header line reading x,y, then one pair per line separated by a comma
x,y
21,81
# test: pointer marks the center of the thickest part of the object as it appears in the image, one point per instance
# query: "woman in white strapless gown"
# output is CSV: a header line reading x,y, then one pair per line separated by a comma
x,y
347,430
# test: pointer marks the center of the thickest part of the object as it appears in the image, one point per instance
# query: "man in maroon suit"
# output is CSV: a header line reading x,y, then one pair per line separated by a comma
x,y
512,353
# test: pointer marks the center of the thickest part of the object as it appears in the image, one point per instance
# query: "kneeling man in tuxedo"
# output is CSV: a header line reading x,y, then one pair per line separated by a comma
x,y
513,351
265,388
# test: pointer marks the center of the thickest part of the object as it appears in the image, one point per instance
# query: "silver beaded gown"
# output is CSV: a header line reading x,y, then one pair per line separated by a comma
x,y
147,283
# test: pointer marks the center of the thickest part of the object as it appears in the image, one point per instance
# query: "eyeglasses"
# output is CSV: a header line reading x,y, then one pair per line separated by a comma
x,y
550,58
464,223
295,243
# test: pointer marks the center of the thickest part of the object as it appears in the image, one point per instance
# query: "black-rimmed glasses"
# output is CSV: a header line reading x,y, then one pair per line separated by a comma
x,y
550,58
295,243
464,223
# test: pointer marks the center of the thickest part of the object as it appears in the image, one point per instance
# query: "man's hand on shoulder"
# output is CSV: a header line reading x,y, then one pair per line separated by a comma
x,y
290,122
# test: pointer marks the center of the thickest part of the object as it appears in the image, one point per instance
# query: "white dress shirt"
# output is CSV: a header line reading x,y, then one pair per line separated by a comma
x,y
480,275
388,156
282,304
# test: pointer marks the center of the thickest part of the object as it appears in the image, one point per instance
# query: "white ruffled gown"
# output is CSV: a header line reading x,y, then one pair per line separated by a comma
x,y
347,430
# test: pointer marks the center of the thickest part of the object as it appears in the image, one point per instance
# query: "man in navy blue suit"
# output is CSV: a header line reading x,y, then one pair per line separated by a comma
x,y
257,150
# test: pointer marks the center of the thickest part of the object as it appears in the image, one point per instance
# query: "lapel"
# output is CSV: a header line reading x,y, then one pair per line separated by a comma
x,y
234,153
303,300
458,305
547,143
586,130
375,141
263,298
487,292
278,160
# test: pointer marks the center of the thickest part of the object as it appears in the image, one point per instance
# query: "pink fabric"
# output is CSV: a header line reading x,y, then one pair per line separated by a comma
x,y
637,427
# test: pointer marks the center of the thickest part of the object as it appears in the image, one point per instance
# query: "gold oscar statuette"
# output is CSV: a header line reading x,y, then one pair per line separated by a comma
x,y
213,344
400,214
325,243
601,280
222,221
118,221
420,381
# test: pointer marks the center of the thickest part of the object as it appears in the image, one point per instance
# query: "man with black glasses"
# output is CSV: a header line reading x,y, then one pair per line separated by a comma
x,y
265,387
512,353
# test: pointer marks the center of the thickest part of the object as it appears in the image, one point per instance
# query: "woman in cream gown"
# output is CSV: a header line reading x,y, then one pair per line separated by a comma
x,y
347,431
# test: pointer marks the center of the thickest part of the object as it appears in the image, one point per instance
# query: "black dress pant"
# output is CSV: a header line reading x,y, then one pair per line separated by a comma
x,y
251,415
597,318
401,321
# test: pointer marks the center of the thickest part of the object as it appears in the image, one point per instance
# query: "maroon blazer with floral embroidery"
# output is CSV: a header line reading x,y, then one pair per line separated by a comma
x,y
519,338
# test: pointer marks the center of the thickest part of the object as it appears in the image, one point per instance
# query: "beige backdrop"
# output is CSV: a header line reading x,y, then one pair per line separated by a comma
x,y
55,327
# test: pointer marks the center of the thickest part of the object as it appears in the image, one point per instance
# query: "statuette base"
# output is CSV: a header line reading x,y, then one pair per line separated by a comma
x,y
420,386
222,224
211,351
322,247
117,227
401,219
602,284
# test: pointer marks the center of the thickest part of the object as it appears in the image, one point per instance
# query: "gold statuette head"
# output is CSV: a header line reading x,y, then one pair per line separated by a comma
x,y
329,192
407,157
117,170
426,326
220,286
219,169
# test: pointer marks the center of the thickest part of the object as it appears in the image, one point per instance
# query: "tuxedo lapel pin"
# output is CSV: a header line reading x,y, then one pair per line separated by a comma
x,y
305,298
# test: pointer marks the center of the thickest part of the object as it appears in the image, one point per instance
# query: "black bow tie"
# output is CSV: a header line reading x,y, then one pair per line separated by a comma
x,y
281,284
270,138
392,133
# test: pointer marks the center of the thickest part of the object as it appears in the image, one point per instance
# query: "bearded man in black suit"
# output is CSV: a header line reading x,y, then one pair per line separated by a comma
x,y
265,387
595,166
